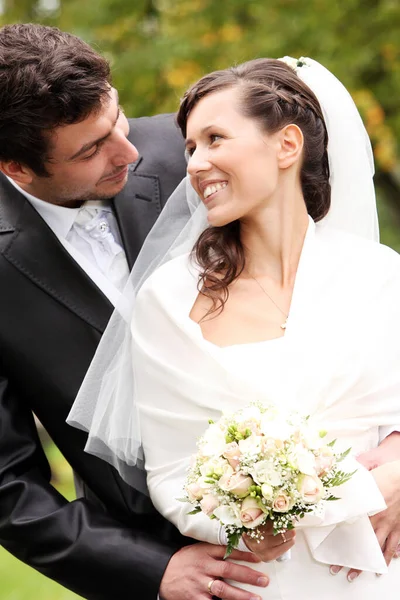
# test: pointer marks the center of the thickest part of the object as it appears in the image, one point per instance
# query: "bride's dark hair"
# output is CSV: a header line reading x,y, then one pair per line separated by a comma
x,y
272,94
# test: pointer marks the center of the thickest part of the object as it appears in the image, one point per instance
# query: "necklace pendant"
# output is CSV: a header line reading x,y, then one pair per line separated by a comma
x,y
284,325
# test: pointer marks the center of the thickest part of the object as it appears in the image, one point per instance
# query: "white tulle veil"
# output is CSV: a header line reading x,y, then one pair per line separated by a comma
x,y
105,406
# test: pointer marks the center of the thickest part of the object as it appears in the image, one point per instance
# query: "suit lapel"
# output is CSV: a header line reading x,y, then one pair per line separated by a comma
x,y
32,248
137,208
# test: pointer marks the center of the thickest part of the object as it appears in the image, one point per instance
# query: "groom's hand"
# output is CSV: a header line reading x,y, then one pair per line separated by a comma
x,y
384,463
192,568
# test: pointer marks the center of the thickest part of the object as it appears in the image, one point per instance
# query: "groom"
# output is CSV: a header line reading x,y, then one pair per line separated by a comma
x,y
66,149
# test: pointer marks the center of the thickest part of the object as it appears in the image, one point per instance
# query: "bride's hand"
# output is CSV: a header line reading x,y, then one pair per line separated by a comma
x,y
386,524
272,546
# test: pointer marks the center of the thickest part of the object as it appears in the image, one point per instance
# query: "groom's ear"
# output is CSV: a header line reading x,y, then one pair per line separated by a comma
x,y
291,146
19,173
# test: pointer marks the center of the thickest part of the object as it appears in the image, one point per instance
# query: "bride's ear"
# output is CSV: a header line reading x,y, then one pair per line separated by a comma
x,y
291,146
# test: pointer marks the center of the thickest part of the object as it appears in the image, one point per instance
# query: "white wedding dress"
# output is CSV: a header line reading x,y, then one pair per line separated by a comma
x,y
339,361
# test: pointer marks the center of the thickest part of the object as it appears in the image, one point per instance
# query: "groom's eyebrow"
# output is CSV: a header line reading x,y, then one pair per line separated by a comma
x,y
86,147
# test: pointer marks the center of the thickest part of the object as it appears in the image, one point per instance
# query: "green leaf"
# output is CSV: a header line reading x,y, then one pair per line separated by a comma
x,y
343,455
233,542
195,511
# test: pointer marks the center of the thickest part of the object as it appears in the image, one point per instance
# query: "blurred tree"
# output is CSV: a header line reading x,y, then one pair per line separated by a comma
x,y
158,47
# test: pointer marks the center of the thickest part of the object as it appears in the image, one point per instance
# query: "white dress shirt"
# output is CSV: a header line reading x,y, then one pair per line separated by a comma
x,y
83,246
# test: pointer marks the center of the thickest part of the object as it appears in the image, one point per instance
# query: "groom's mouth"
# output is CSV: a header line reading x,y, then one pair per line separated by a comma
x,y
119,176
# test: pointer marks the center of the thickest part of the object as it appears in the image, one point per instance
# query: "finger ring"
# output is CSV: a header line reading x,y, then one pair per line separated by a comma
x,y
210,584
284,538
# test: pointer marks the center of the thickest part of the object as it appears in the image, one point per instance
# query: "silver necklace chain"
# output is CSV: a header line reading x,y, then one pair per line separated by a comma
x,y
283,325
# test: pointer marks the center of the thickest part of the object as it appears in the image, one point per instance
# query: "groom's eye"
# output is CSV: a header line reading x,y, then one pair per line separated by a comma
x,y
94,153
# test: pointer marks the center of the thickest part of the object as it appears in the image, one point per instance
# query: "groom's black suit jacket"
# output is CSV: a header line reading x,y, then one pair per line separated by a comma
x,y
110,544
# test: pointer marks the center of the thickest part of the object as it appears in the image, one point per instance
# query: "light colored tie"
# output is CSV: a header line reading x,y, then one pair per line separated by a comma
x,y
94,225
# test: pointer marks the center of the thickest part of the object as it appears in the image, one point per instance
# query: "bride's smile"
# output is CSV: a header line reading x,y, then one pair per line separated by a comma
x,y
234,165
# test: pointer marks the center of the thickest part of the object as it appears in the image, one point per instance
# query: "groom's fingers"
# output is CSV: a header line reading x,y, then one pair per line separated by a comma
x,y
223,590
194,569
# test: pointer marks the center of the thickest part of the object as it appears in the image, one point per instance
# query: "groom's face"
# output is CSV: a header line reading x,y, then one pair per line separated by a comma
x,y
87,160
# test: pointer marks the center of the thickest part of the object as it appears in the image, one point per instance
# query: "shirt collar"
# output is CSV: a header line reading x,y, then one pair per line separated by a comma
x,y
59,218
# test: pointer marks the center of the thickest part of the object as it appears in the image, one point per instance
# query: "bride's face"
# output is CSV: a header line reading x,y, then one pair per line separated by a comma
x,y
233,164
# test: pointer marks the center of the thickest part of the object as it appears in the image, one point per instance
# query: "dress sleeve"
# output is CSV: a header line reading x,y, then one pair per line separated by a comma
x,y
170,420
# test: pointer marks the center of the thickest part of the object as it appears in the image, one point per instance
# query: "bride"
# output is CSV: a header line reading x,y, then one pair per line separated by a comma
x,y
275,290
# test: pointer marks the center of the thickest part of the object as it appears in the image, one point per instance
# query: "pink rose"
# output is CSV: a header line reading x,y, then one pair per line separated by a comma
x,y
251,515
194,491
311,489
237,484
232,454
282,503
209,503
324,462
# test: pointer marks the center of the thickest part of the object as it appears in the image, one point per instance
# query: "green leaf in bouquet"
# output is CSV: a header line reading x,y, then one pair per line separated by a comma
x,y
331,498
342,456
332,443
233,542
183,499
194,511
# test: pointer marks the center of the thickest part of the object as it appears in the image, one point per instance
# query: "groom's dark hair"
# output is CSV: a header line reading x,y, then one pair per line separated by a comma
x,y
48,78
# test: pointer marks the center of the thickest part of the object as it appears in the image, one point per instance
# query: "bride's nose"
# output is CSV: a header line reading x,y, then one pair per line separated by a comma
x,y
198,161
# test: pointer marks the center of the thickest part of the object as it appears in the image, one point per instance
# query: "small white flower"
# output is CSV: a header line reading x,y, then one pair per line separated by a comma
x,y
251,445
214,466
290,61
267,491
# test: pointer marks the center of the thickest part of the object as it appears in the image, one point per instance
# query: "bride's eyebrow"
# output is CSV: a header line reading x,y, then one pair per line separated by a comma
x,y
190,142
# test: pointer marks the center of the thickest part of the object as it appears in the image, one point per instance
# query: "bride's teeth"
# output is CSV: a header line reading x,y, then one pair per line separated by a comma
x,y
215,187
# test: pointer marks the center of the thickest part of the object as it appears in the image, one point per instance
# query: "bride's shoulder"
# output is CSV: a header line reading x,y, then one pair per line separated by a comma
x,y
169,278
358,254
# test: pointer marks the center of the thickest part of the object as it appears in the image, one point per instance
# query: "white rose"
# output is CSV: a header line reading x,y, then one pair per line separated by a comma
x,y
228,515
213,441
265,472
311,489
303,460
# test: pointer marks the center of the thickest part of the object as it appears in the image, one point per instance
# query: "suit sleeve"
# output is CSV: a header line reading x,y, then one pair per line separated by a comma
x,y
74,543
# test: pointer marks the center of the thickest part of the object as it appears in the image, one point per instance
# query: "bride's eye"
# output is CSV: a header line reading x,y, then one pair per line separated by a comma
x,y
189,152
214,137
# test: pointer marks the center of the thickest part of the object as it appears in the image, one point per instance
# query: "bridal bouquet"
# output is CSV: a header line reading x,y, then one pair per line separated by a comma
x,y
261,464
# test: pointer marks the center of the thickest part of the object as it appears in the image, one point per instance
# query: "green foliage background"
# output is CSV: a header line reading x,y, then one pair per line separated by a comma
x,y
158,47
